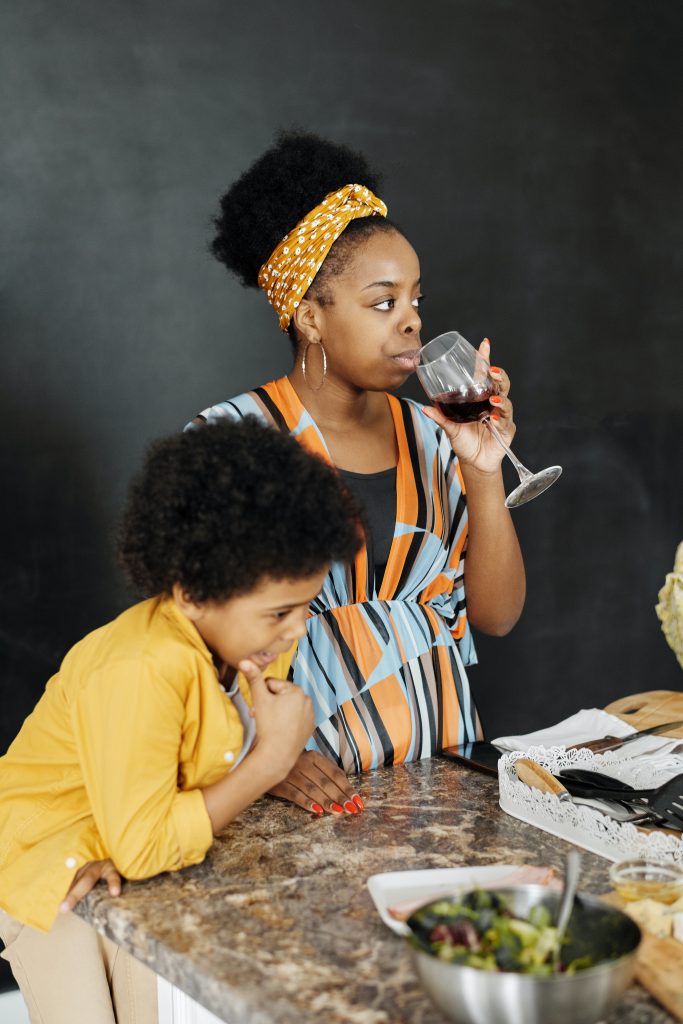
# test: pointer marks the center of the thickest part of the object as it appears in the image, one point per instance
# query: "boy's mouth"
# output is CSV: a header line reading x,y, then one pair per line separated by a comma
x,y
262,659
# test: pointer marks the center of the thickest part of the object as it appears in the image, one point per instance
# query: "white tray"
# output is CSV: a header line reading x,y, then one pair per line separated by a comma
x,y
583,825
393,887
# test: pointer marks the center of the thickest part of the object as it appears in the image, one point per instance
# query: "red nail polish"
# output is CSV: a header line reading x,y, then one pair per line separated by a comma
x,y
494,369
494,416
350,808
494,400
337,808
358,802
317,809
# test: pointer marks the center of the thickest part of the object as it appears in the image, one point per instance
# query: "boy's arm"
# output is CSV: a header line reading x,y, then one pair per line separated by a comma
x,y
86,878
128,723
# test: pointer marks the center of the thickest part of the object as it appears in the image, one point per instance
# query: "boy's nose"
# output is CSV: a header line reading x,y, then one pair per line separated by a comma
x,y
297,629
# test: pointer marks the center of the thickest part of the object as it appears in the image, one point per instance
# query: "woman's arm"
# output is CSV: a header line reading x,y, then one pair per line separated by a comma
x,y
495,582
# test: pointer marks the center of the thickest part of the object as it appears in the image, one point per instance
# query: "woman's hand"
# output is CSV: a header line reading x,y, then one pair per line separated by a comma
x,y
87,878
473,443
318,784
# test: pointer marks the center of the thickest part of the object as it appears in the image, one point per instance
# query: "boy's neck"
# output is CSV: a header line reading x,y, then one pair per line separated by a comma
x,y
226,673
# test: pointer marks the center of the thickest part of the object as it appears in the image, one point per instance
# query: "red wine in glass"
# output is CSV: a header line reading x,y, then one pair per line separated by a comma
x,y
466,405
456,378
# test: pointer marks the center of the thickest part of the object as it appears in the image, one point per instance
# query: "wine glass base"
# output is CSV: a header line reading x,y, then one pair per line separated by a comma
x,y
533,486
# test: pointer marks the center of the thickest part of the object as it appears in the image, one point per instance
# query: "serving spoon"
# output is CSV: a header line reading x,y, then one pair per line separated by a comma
x,y
571,883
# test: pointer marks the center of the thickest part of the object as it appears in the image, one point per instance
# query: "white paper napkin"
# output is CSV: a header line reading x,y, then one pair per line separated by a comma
x,y
588,724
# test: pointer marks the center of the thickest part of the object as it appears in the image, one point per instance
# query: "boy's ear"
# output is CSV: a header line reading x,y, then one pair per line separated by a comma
x,y
185,604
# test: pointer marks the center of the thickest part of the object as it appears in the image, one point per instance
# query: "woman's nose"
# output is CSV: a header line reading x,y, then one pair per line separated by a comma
x,y
412,323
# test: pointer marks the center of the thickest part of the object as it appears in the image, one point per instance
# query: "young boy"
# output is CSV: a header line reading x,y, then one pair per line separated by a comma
x,y
144,744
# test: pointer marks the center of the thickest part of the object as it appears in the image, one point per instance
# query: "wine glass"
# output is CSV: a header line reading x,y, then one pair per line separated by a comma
x,y
456,378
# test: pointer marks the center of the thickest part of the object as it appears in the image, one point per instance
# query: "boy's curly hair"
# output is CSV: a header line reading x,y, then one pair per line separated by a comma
x,y
220,508
276,192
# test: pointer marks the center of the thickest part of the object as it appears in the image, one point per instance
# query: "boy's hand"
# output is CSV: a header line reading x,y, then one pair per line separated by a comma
x,y
87,878
317,784
284,718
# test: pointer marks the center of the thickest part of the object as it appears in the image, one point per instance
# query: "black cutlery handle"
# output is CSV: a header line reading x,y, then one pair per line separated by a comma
x,y
617,793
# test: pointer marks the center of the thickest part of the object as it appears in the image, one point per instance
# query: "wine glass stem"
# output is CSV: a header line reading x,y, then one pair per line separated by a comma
x,y
522,471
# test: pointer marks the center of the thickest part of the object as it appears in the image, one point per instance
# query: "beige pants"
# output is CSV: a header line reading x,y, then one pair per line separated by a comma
x,y
73,975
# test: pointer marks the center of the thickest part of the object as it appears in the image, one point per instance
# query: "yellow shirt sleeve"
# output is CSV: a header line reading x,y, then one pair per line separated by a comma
x,y
128,724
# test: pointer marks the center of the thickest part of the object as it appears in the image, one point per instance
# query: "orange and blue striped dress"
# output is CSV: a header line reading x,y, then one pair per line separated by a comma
x,y
385,667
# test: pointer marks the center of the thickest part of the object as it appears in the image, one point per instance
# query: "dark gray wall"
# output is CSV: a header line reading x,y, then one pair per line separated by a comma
x,y
532,154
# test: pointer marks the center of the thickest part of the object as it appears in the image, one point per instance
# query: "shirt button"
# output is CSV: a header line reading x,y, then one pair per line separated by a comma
x,y
70,862
228,756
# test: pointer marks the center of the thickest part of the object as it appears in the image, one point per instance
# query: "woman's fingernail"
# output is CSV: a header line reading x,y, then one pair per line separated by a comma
x,y
63,908
350,808
495,416
495,369
336,808
317,809
115,891
495,400
358,802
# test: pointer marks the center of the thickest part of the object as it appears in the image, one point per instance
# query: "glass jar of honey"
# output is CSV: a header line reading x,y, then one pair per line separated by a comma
x,y
646,879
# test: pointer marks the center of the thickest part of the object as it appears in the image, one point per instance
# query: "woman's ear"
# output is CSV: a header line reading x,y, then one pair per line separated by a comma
x,y
307,320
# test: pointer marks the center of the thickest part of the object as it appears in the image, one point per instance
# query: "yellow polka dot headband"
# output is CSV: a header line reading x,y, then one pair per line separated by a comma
x,y
289,271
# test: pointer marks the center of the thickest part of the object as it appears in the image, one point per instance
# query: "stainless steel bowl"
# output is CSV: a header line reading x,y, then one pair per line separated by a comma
x,y
471,996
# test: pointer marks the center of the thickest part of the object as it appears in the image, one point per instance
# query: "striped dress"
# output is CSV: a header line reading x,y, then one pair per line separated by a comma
x,y
385,669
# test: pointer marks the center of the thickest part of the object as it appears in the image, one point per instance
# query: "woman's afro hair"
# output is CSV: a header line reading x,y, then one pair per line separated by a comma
x,y
222,507
277,191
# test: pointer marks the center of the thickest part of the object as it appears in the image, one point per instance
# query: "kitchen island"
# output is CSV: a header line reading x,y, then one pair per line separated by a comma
x,y
277,924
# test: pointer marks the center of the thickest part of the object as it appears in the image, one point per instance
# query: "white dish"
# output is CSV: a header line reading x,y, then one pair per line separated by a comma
x,y
395,887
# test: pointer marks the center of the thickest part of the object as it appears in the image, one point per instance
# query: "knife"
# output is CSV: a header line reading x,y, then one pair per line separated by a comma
x,y
613,742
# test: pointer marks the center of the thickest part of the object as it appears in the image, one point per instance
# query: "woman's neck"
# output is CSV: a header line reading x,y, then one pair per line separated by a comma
x,y
357,425
337,405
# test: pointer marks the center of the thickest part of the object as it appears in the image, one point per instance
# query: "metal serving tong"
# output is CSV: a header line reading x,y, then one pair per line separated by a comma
x,y
663,805
666,801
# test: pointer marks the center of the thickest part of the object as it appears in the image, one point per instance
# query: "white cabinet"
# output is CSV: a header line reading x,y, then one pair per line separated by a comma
x,y
177,1008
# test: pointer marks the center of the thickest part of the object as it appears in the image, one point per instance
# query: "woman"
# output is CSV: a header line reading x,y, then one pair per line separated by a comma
x,y
388,641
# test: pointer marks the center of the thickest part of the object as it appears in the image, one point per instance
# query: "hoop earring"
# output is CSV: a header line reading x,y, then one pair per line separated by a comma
x,y
303,365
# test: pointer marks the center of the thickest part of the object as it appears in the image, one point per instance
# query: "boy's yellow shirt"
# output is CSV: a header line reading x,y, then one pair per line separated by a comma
x,y
110,762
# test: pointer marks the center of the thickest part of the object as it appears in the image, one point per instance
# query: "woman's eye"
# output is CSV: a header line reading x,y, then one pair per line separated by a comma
x,y
385,305
418,300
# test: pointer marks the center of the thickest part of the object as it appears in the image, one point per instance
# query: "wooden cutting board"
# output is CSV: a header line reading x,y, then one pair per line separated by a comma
x,y
654,707
659,966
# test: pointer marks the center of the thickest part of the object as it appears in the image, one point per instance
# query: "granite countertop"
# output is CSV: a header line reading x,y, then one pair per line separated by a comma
x,y
277,924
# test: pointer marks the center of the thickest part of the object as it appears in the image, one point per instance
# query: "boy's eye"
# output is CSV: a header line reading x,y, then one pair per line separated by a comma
x,y
280,615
